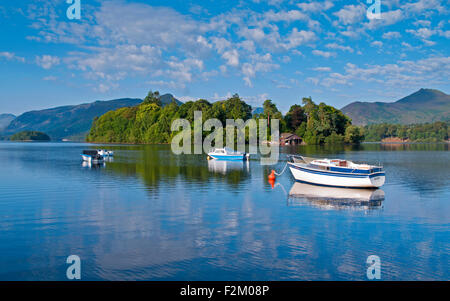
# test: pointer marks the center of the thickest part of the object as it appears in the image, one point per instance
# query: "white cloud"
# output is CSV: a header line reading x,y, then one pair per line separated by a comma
x,y
423,33
258,63
422,23
137,23
297,38
285,16
117,62
322,69
340,47
47,61
314,7
325,54
377,43
350,14
11,56
50,78
103,88
119,39
391,35
221,44
387,18
313,80
424,5
404,73
445,33
232,57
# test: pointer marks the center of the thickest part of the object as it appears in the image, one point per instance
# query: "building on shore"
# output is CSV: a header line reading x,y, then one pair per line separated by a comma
x,y
290,139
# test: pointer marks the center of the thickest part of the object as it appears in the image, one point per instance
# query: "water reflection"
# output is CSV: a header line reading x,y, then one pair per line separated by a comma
x,y
91,165
152,215
223,166
335,198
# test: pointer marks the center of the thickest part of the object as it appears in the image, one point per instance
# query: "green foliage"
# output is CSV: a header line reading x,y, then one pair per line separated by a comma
x,y
150,123
153,97
317,124
30,136
427,132
354,134
295,117
334,138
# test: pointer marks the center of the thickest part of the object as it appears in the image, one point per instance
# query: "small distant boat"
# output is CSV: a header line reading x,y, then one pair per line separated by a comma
x,y
227,154
105,153
336,172
92,156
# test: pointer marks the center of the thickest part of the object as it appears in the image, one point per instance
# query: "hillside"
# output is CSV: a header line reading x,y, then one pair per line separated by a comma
x,y
425,105
167,99
66,121
5,120
30,136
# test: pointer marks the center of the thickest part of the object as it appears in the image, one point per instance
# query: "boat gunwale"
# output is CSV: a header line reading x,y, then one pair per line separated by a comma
x,y
336,173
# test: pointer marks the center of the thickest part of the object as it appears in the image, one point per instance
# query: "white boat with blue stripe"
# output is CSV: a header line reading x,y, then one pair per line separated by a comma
x,y
336,172
227,154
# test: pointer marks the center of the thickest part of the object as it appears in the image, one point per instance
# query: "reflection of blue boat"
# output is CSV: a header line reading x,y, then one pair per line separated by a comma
x,y
336,197
223,166
227,154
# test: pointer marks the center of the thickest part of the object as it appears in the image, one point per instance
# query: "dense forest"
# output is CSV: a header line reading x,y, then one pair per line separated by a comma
x,y
30,136
427,132
150,122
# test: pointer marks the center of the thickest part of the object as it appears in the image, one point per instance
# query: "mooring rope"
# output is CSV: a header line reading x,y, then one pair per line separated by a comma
x,y
282,187
279,174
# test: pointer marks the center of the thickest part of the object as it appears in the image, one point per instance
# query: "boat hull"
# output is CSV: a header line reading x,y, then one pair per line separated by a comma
x,y
336,179
227,157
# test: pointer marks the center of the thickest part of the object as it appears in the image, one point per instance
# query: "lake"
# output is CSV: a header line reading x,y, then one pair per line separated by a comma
x,y
151,215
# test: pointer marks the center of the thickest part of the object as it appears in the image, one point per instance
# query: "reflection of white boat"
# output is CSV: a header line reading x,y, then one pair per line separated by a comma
x,y
336,172
227,154
336,197
92,156
92,165
105,153
223,166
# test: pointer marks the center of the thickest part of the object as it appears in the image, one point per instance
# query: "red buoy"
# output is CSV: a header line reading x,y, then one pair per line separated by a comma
x,y
272,176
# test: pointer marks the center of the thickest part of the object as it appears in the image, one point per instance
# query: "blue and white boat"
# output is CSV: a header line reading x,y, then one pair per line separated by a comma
x,y
336,172
92,156
227,154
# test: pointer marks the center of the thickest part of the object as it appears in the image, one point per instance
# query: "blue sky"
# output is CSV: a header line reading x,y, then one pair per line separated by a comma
x,y
260,49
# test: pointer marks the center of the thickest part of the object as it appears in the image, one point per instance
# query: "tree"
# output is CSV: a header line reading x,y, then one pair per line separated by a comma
x,y
295,117
354,134
152,97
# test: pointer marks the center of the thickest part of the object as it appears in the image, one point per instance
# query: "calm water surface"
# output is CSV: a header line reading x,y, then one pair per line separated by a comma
x,y
152,215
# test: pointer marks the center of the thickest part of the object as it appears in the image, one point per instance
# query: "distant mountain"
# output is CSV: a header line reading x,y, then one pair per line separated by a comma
x,y
257,110
425,105
5,120
168,98
71,122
